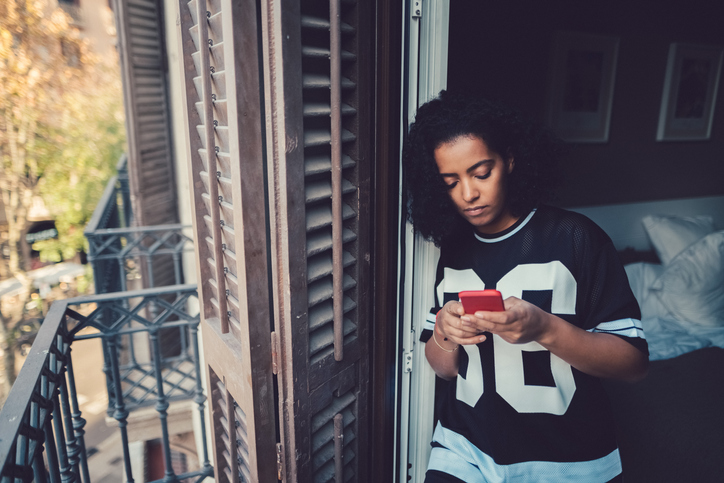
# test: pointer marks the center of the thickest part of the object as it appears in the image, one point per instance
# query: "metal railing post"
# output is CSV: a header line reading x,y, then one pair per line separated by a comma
x,y
162,404
78,421
125,191
199,398
120,413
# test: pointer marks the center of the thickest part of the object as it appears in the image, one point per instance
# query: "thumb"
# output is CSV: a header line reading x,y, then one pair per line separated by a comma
x,y
510,302
457,308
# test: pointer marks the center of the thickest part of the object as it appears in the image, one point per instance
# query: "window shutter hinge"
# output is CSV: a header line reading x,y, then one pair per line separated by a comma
x,y
407,355
275,353
280,462
407,361
416,9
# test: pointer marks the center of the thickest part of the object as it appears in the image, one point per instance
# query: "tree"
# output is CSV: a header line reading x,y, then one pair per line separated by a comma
x,y
61,132
44,69
90,140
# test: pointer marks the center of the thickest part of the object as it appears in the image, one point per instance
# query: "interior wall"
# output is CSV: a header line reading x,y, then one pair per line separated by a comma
x,y
502,50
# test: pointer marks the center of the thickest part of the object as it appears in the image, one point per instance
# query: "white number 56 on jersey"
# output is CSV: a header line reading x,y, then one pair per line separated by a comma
x,y
509,369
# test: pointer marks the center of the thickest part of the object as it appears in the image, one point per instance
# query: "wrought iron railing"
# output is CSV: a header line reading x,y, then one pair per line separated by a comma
x,y
41,425
121,254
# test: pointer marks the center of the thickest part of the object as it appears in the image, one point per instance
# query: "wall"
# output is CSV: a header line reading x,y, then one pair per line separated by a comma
x,y
179,133
98,25
502,49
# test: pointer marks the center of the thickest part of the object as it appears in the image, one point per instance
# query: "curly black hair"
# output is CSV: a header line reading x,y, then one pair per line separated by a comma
x,y
503,130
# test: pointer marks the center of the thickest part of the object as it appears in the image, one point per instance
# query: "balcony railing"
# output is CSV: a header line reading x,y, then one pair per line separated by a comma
x,y
125,257
42,426
147,324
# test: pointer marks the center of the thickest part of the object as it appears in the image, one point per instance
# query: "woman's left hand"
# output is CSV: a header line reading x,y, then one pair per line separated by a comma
x,y
519,323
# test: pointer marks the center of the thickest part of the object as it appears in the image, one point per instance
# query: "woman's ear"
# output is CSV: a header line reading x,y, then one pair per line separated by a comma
x,y
510,160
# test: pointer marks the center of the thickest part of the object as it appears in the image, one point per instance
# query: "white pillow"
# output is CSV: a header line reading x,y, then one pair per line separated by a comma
x,y
692,285
670,235
641,276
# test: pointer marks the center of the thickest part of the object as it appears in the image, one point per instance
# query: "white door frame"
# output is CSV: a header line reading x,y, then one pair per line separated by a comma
x,y
426,64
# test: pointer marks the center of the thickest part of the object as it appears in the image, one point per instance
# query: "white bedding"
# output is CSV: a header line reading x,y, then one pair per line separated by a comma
x,y
682,301
667,336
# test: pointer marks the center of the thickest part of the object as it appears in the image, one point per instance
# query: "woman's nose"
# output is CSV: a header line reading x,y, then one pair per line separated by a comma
x,y
470,192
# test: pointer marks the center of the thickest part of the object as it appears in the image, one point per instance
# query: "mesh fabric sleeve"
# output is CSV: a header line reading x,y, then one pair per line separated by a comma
x,y
605,299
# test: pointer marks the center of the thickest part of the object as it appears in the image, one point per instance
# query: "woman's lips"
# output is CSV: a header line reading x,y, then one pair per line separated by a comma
x,y
474,211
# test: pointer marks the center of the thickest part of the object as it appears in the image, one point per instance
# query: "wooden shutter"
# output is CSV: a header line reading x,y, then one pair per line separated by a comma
x,y
150,154
223,106
152,183
319,170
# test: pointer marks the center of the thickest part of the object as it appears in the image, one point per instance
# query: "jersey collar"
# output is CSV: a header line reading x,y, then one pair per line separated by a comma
x,y
508,232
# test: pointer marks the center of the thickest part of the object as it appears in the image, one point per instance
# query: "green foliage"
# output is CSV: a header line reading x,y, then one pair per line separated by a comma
x,y
61,124
90,139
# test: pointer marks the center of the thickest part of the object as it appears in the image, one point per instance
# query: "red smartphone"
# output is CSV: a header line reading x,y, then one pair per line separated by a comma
x,y
487,300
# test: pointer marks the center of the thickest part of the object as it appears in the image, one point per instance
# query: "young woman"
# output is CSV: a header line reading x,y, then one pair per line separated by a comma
x,y
525,401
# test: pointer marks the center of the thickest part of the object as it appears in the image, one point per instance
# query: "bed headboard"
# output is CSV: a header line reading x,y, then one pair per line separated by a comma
x,y
623,224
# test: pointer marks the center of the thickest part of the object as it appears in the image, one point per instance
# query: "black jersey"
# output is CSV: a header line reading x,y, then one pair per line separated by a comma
x,y
516,410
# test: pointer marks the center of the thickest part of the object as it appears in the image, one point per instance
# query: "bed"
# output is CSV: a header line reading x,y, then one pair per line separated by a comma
x,y
671,424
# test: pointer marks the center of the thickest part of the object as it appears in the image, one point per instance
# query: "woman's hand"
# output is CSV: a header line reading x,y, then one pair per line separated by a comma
x,y
450,325
597,354
442,352
521,322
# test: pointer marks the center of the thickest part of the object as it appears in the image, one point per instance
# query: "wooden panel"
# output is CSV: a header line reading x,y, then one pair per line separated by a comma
x,y
143,66
319,139
223,114
150,163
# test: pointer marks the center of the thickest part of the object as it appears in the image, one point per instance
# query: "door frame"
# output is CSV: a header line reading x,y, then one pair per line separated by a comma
x,y
425,66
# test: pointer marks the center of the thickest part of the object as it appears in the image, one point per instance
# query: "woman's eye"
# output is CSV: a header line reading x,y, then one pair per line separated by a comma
x,y
483,176
451,185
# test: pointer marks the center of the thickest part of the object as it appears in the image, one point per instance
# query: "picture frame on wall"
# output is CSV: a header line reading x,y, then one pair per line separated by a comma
x,y
582,75
690,90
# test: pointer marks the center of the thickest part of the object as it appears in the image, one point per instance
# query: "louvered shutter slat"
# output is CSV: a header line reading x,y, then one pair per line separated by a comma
x,y
323,313
319,241
323,53
322,164
325,434
322,289
324,338
310,22
337,406
322,137
321,265
217,58
321,216
322,109
320,190
321,81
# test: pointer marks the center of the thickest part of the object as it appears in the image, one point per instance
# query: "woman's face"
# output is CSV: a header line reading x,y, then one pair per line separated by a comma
x,y
477,182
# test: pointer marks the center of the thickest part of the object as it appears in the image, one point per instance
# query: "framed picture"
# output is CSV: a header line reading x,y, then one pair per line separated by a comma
x,y
581,82
690,87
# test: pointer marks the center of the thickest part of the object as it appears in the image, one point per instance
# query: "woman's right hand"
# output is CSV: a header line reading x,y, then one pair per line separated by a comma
x,y
449,326
449,333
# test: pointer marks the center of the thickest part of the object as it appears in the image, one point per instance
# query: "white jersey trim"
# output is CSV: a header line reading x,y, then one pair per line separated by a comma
x,y
507,235
623,327
429,323
460,458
